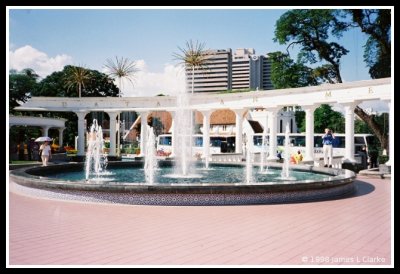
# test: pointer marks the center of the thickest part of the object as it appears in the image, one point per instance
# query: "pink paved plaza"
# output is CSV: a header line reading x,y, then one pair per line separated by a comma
x,y
355,231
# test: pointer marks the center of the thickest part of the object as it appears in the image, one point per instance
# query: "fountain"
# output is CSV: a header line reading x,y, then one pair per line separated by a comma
x,y
249,167
176,183
264,149
96,161
285,175
183,129
150,163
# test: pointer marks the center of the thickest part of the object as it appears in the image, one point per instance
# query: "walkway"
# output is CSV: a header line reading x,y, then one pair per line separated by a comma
x,y
354,230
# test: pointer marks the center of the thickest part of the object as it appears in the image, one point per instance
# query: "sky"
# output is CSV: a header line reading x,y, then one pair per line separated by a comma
x,y
47,39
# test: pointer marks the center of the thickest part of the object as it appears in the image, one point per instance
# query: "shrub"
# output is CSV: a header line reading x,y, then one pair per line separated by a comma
x,y
382,159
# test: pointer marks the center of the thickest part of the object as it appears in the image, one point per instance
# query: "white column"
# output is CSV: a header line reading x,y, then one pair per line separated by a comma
x,y
113,132
309,132
173,134
143,131
390,152
272,133
239,130
60,136
349,128
81,132
45,130
206,133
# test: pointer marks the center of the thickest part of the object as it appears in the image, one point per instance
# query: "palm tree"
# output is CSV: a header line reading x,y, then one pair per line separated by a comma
x,y
193,57
122,68
77,76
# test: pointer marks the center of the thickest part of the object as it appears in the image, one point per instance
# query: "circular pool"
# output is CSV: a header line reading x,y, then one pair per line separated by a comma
x,y
221,184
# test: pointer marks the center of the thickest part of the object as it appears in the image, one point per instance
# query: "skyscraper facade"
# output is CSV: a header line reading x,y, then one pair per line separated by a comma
x,y
224,70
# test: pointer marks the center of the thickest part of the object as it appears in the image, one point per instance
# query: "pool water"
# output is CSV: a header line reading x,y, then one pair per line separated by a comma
x,y
215,174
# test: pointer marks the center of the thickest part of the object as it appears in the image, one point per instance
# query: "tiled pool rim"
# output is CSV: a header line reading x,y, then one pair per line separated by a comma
x,y
341,185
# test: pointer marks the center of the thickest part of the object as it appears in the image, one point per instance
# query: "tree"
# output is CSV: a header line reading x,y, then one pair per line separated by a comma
x,y
285,73
311,29
77,77
193,57
21,85
99,85
377,51
326,117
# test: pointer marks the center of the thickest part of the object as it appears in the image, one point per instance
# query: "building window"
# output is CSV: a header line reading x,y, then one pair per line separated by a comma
x,y
224,127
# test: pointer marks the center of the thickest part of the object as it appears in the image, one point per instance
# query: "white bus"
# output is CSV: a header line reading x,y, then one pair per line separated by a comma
x,y
226,143
218,144
298,140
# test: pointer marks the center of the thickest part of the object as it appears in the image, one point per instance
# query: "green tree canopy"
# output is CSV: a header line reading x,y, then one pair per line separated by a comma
x,y
311,30
285,73
377,51
76,77
314,31
98,85
22,85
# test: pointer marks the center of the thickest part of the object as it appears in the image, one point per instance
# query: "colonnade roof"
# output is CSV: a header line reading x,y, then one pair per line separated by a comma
x,y
343,93
37,121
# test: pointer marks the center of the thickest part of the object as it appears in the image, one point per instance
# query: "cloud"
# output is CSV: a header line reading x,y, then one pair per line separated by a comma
x,y
168,82
40,62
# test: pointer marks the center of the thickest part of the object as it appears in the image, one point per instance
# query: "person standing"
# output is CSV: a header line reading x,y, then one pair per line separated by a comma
x,y
298,157
327,140
45,152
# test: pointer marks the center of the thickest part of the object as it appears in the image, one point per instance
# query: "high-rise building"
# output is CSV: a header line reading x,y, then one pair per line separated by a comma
x,y
226,71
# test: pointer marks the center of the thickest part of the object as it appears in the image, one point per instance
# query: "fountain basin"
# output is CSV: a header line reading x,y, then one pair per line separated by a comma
x,y
339,183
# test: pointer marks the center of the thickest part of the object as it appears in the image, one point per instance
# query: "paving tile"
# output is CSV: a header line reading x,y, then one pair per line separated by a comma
x,y
55,232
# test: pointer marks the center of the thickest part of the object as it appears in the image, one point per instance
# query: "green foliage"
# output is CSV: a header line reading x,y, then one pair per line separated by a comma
x,y
300,117
314,31
377,51
54,85
311,30
382,159
381,119
98,85
361,127
22,85
76,77
285,73
326,117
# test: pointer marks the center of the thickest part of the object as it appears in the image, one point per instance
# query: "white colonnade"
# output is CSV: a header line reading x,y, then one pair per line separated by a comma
x,y
348,94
